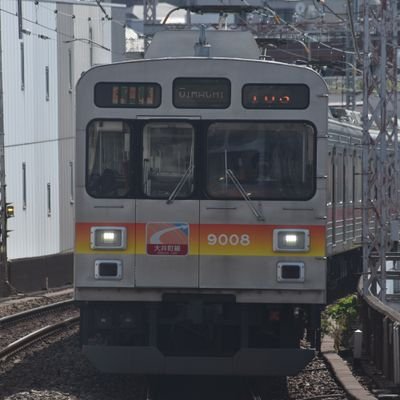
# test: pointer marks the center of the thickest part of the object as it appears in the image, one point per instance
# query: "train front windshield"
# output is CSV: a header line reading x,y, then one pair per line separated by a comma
x,y
268,160
264,160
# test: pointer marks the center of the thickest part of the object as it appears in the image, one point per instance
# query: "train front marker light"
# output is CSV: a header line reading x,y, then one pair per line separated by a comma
x,y
108,238
290,271
108,269
291,240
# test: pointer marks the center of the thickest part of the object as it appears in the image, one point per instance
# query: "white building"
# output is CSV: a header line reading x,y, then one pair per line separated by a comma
x,y
45,47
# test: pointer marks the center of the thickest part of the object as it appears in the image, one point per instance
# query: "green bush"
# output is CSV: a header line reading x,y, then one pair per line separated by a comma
x,y
340,319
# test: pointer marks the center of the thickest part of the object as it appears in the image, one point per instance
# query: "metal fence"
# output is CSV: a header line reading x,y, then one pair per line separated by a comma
x,y
381,336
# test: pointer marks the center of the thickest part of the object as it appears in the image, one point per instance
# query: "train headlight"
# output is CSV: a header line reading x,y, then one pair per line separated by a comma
x,y
291,240
107,237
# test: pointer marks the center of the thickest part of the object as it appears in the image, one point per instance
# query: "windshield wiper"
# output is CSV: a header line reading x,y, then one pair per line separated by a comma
x,y
245,196
180,184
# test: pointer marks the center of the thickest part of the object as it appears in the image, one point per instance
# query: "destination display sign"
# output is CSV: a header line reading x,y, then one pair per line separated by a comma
x,y
276,96
127,95
201,93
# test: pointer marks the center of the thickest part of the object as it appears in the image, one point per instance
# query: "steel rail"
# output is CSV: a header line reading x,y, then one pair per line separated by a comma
x,y
34,311
33,337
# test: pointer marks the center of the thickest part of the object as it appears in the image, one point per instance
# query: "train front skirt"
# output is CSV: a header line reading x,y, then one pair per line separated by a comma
x,y
267,362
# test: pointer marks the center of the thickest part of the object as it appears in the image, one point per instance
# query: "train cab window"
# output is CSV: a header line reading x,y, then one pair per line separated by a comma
x,y
168,165
262,160
108,159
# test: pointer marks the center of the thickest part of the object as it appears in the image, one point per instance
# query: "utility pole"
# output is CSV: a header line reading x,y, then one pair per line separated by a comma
x,y
350,72
149,20
351,52
380,149
4,278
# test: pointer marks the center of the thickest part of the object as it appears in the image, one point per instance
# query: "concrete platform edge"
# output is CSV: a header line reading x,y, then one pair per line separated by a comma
x,y
342,372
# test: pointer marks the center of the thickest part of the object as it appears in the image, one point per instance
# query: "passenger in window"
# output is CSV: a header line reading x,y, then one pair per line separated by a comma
x,y
108,183
93,184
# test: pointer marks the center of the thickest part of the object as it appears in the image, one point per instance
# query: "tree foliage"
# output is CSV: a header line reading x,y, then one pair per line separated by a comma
x,y
340,319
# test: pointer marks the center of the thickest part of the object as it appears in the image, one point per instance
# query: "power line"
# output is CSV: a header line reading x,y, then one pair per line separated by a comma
x,y
333,12
40,142
103,10
301,32
353,33
58,32
73,16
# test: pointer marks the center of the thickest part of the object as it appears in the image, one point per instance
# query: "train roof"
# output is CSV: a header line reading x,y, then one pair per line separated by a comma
x,y
182,43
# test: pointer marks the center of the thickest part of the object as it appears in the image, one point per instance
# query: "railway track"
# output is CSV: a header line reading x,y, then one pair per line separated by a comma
x,y
39,322
43,324
27,314
243,388
35,336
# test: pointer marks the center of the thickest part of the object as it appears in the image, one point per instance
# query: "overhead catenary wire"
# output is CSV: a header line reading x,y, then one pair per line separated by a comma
x,y
323,3
37,3
74,16
307,36
103,10
353,33
301,32
58,32
40,142
267,7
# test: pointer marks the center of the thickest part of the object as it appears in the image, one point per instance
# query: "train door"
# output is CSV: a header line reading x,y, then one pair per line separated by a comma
x,y
167,216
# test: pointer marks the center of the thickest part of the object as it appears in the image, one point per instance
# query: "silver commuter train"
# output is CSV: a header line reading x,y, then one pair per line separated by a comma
x,y
210,200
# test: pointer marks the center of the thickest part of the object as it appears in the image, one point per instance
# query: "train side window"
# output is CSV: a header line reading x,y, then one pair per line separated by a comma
x,y
72,182
329,184
339,177
344,191
350,178
334,198
353,190
168,159
344,176
358,179
108,171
